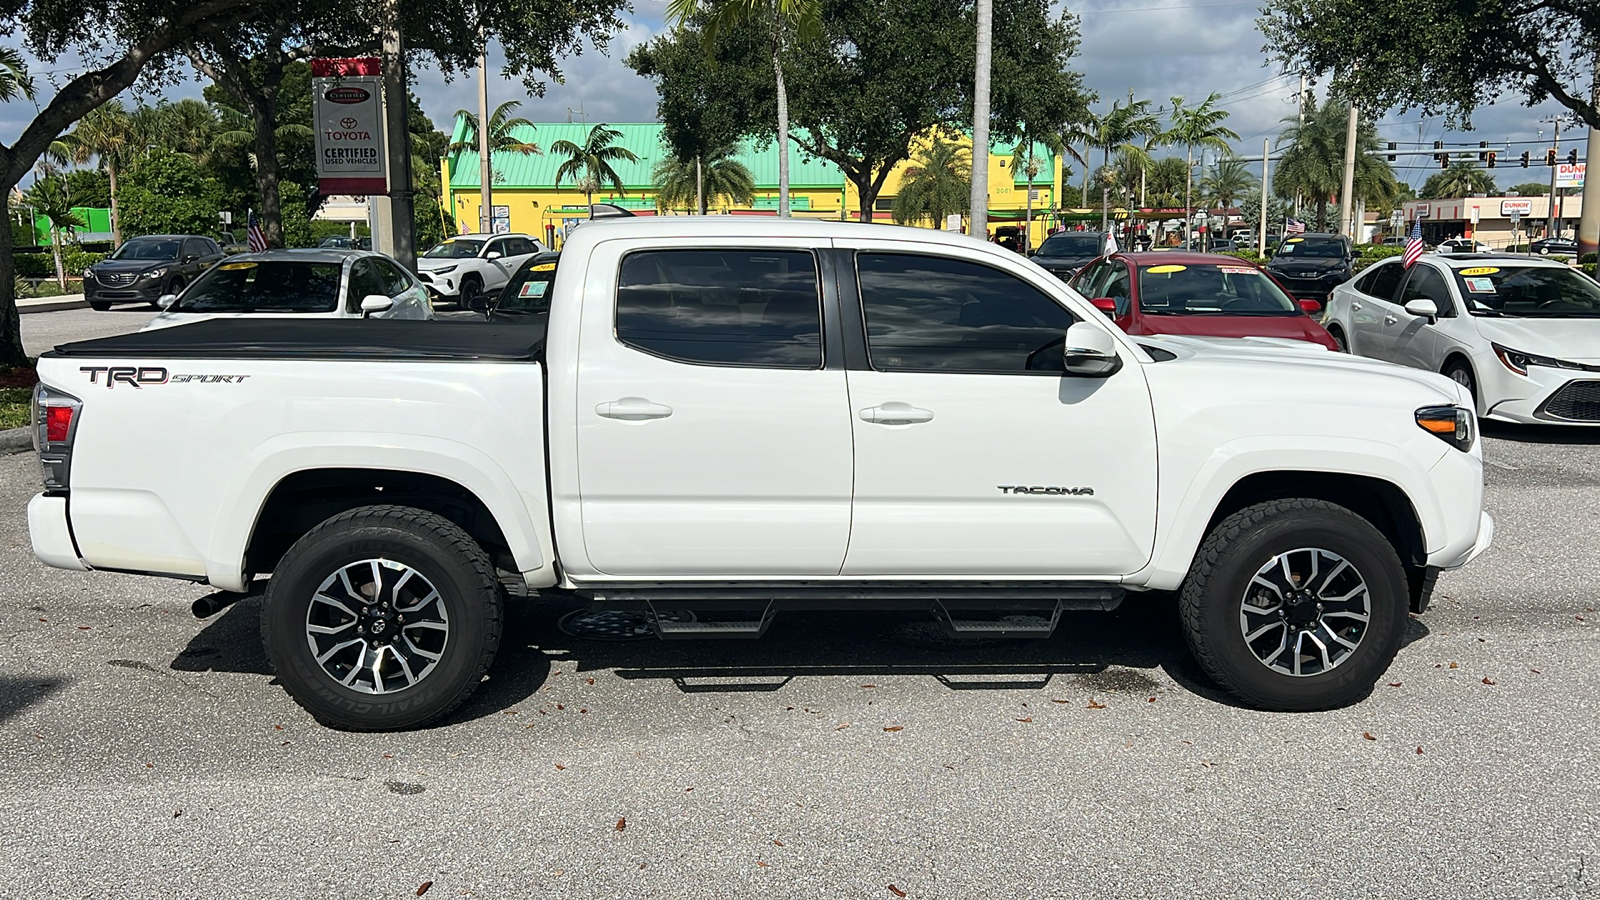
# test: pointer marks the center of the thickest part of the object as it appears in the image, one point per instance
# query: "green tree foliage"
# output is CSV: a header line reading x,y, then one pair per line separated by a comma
x,y
169,193
1444,56
15,82
589,166
89,187
1129,129
703,106
1460,180
698,183
1164,182
936,185
1226,181
502,137
1531,189
49,199
1312,165
1198,126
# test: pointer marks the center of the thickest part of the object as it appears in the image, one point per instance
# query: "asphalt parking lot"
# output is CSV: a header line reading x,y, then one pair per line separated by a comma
x,y
149,754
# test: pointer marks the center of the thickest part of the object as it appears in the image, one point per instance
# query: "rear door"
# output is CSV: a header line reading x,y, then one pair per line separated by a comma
x,y
713,435
975,454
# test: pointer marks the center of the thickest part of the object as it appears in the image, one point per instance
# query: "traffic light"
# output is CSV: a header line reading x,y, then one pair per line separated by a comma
x,y
1550,157
1572,157
1491,159
1392,147
1482,155
1524,159
1444,160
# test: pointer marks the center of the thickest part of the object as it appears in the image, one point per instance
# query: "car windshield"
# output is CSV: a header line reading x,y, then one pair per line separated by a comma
x,y
1211,289
528,291
275,285
1071,245
455,250
1528,291
1300,247
148,248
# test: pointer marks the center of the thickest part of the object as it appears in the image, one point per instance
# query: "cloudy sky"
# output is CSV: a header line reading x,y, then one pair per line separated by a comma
x,y
1155,48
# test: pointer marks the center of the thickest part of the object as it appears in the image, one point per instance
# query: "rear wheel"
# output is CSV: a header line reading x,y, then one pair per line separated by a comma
x,y
382,618
1295,605
1337,334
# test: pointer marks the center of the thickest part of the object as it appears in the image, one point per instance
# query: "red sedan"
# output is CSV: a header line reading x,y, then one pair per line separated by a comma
x,y
1199,294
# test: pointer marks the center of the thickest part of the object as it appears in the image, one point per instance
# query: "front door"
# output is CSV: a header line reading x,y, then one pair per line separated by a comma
x,y
1413,340
975,454
711,439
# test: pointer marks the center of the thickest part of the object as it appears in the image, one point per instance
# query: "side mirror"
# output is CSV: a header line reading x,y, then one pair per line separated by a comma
x,y
479,303
1310,306
190,258
1106,305
375,303
1423,308
492,254
166,301
1090,351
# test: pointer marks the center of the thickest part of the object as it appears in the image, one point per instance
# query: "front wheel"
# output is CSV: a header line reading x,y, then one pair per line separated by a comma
x,y
382,618
1295,605
471,290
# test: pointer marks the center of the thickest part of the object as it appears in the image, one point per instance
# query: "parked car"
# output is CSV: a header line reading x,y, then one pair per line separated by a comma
x,y
462,268
1547,246
319,284
1062,254
145,268
981,444
1463,245
232,243
1310,265
345,242
1521,334
1197,294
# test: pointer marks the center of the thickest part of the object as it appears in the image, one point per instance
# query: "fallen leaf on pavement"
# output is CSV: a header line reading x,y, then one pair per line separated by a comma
x,y
869,685
583,710
560,767
1054,700
1368,735
1094,705
762,864
559,706
1454,666
778,842
1028,719
176,813
590,680
1151,700
1419,751
896,891
842,726
893,727
622,824
423,888
1534,671
1396,683
1488,680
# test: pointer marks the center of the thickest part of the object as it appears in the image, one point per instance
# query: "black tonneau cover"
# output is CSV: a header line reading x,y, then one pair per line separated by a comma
x,y
375,339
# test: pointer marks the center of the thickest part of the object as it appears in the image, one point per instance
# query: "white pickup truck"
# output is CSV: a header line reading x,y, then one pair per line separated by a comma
x,y
734,418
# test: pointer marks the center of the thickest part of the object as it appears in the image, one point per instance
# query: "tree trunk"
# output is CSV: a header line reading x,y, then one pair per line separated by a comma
x,y
11,352
1188,197
783,137
55,251
116,225
268,172
699,185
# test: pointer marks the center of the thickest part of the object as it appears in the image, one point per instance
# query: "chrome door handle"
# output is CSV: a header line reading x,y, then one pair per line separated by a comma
x,y
1355,304
896,413
1389,320
633,409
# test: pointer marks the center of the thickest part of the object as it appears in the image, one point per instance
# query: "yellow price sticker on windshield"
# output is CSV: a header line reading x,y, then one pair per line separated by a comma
x,y
1164,270
544,267
228,267
1479,270
1295,240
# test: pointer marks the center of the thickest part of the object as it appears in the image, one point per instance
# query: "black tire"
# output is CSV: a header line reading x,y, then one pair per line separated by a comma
x,y
1337,334
1230,558
99,305
1461,373
433,547
471,289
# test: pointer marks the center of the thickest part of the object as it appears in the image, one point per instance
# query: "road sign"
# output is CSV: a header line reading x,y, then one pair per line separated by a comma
x,y
347,106
1521,206
1569,175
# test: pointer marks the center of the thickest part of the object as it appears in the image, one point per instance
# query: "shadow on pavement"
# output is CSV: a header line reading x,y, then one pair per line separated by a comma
x,y
17,693
1539,434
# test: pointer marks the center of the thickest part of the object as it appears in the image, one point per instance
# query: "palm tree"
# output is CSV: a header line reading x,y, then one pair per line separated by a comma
x,y
48,197
1462,179
109,135
239,130
1164,181
1024,158
701,180
1227,181
1313,164
787,20
589,166
937,184
1198,126
1131,129
14,78
501,139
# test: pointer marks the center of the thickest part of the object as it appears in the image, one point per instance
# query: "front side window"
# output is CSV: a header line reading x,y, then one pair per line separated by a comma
x,y
274,285
754,308
1528,291
364,282
395,280
1426,283
934,314
455,249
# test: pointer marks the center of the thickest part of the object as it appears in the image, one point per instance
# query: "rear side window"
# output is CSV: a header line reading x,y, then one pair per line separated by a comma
x,y
754,308
1381,281
934,314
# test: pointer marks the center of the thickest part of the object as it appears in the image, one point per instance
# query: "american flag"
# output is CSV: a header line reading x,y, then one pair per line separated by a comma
x,y
1294,226
1413,244
258,238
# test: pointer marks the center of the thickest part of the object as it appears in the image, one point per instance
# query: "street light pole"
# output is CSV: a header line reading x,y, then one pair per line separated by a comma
x,y
1589,224
1346,201
402,218
1266,168
485,159
978,217
1552,219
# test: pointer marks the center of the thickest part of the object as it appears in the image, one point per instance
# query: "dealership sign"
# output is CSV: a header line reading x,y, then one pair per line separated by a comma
x,y
347,105
1520,206
1569,175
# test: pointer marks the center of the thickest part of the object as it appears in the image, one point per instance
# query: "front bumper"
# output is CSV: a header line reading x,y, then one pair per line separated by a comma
x,y
447,285
51,534
1481,543
1318,288
1545,396
144,290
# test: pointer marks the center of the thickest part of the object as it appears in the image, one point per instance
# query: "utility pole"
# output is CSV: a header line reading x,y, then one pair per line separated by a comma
x,y
485,154
1589,224
1266,169
1302,124
1554,218
978,221
1346,199
395,105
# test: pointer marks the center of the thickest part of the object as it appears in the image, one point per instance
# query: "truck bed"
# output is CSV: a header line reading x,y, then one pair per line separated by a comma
x,y
371,339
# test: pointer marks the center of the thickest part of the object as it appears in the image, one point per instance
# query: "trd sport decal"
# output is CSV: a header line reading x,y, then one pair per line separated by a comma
x,y
1069,491
141,376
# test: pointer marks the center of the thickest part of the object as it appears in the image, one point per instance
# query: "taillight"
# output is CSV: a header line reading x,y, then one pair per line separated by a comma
x,y
55,420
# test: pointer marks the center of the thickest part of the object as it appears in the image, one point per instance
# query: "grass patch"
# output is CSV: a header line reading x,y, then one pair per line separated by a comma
x,y
14,407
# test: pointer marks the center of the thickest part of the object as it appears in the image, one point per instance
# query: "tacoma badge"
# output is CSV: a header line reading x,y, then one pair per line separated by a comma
x,y
1071,491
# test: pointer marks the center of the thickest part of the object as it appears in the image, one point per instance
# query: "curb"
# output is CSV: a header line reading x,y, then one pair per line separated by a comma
x,y
50,304
16,440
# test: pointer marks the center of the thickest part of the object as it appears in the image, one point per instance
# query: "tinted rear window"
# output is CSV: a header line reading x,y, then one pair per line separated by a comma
x,y
265,286
1072,245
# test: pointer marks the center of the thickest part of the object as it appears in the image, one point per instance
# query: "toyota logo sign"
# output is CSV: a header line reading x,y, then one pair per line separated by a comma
x,y
348,122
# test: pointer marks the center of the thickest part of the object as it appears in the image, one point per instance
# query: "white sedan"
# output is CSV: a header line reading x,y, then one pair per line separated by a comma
x,y
1521,333
320,283
1463,245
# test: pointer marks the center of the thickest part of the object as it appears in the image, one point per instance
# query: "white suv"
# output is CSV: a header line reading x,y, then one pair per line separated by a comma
x,y
466,267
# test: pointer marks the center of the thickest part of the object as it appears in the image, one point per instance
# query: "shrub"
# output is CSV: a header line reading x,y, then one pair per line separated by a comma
x,y
76,259
1375,252
1249,255
35,265
1588,259
1588,268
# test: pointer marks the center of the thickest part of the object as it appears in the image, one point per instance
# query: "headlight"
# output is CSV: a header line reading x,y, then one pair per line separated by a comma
x,y
89,274
444,269
1518,362
1450,424
155,273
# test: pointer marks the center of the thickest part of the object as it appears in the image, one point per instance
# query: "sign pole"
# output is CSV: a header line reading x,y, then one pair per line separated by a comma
x,y
1266,180
485,154
1589,224
399,142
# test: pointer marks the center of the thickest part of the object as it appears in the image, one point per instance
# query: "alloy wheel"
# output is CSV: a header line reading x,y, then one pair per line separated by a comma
x,y
1305,612
377,626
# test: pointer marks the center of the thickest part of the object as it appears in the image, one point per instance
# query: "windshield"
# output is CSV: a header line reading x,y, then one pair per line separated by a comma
x,y
143,248
528,291
455,250
1211,290
276,285
1072,245
1300,247
1528,291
